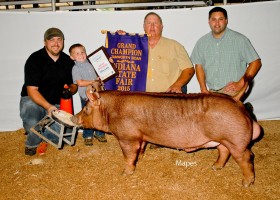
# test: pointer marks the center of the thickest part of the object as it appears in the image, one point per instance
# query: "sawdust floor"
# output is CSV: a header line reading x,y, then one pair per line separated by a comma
x,y
81,172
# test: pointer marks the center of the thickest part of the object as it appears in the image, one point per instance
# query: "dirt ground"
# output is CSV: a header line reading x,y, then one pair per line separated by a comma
x,y
81,172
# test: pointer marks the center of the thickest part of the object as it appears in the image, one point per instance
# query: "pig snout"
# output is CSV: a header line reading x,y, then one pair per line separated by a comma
x,y
75,120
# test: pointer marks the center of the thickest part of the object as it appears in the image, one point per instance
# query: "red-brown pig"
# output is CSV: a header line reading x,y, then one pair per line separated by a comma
x,y
182,121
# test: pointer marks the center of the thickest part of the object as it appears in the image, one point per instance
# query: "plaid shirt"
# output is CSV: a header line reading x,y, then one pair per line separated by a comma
x,y
225,59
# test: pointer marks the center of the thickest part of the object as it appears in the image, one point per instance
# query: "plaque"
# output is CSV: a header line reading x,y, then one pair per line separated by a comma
x,y
103,67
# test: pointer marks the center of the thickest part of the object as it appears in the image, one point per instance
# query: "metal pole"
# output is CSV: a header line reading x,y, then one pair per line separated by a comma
x,y
53,5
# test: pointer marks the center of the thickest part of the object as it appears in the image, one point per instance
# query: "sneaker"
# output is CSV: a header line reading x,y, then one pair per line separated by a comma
x,y
30,151
88,141
100,138
42,148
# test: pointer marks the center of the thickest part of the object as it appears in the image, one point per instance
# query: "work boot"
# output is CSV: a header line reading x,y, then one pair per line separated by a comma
x,y
88,141
30,151
100,138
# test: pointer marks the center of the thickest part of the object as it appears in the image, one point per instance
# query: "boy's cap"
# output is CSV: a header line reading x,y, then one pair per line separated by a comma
x,y
53,32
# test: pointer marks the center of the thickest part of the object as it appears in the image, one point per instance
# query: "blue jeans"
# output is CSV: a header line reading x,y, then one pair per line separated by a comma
x,y
89,132
31,113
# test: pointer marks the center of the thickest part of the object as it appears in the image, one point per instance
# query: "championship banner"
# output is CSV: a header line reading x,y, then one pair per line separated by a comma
x,y
130,55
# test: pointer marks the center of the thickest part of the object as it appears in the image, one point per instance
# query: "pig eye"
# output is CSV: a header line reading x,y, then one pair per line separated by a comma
x,y
87,109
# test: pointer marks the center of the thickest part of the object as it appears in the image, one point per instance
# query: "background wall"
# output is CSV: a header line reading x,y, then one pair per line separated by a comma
x,y
22,33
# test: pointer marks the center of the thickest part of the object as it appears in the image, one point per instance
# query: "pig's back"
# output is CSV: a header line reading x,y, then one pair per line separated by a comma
x,y
170,103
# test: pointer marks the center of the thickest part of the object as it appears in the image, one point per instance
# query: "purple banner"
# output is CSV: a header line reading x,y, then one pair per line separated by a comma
x,y
130,55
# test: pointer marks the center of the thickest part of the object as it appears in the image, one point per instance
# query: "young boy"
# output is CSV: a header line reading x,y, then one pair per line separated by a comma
x,y
84,74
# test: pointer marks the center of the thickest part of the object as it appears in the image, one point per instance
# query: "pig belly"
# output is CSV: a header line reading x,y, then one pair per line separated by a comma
x,y
188,141
210,144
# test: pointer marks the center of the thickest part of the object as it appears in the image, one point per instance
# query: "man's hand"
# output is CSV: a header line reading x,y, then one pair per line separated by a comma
x,y
232,88
121,32
174,89
205,91
51,109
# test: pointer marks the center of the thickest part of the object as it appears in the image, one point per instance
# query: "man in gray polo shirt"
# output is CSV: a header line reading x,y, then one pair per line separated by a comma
x,y
224,59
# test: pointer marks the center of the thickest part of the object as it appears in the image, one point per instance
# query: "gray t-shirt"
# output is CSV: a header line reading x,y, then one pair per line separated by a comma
x,y
83,71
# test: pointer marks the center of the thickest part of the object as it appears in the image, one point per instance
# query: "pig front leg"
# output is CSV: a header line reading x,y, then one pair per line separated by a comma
x,y
130,151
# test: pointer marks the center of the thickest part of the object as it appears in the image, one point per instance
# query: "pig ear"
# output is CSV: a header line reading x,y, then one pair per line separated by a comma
x,y
92,94
98,84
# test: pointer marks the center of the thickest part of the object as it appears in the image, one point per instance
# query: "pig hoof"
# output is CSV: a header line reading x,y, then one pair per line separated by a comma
x,y
248,182
215,168
127,172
